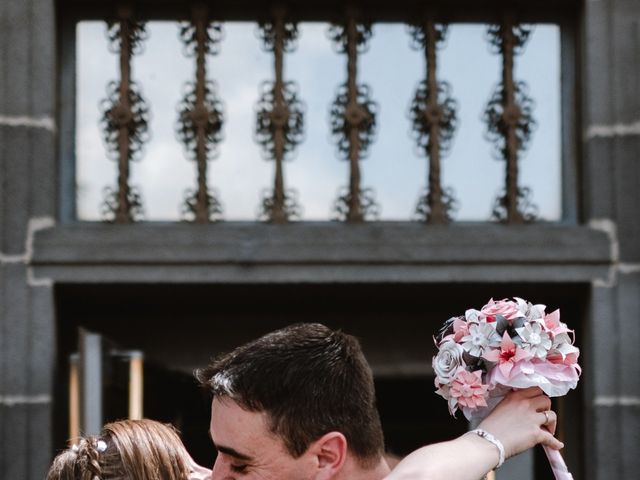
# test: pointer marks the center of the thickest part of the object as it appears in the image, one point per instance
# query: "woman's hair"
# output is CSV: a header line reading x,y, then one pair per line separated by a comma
x,y
127,449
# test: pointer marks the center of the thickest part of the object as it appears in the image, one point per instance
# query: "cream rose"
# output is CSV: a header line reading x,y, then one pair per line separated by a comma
x,y
447,361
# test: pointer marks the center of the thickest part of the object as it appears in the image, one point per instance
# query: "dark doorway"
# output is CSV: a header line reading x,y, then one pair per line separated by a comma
x,y
180,327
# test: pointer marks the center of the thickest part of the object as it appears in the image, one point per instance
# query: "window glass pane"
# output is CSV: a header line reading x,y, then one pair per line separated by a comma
x,y
94,69
541,167
393,69
394,169
473,72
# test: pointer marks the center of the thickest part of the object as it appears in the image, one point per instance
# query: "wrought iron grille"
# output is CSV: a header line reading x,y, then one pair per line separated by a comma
x,y
280,125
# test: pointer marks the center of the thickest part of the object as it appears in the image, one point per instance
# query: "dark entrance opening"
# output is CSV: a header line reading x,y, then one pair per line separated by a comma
x,y
180,327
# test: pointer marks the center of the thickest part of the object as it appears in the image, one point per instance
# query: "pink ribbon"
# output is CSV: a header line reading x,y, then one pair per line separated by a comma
x,y
560,470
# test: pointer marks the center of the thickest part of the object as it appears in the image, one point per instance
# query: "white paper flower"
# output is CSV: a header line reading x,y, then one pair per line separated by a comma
x,y
480,338
447,361
529,310
534,339
473,316
563,344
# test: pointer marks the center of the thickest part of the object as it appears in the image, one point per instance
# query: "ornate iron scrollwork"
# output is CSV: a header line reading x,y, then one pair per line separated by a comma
x,y
510,122
280,119
353,121
200,115
434,118
124,119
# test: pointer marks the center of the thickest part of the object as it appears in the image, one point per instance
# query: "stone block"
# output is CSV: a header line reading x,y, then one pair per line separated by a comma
x,y
627,194
629,335
604,461
27,57
27,337
41,353
600,360
42,74
625,65
14,454
630,444
597,64
28,171
14,302
598,172
39,440
26,441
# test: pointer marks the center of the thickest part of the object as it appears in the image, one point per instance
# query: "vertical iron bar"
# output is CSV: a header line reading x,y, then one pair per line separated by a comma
x,y
433,113
437,213
124,118
510,122
200,120
353,120
200,17
122,214
355,213
511,113
280,119
280,111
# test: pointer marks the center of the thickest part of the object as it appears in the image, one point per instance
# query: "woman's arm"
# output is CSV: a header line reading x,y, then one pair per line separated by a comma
x,y
518,422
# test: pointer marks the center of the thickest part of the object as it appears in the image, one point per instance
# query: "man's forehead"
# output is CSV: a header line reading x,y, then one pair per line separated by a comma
x,y
244,434
230,422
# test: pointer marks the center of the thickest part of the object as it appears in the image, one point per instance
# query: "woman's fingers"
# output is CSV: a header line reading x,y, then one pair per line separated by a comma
x,y
523,419
529,392
549,420
541,403
546,438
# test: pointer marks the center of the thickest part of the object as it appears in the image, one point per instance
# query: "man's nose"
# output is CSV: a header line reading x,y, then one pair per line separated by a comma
x,y
219,472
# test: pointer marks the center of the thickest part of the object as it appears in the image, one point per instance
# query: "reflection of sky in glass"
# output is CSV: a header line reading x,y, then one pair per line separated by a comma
x,y
393,169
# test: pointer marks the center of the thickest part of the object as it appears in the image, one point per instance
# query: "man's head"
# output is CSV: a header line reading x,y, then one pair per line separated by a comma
x,y
307,389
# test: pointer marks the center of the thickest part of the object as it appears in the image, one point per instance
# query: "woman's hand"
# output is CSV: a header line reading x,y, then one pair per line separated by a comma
x,y
523,419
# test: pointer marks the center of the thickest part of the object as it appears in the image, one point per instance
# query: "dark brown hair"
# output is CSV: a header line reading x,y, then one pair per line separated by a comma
x,y
131,449
309,380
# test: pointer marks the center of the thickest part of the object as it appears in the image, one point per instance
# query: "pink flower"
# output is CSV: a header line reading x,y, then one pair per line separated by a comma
x,y
553,324
570,359
506,308
468,390
460,329
508,355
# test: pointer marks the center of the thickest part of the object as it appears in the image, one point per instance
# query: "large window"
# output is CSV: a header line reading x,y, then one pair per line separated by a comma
x,y
493,143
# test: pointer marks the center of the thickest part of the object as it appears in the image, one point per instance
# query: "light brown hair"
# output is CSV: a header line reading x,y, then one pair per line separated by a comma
x,y
132,450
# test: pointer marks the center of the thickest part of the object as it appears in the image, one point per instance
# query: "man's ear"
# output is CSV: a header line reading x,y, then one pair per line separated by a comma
x,y
330,451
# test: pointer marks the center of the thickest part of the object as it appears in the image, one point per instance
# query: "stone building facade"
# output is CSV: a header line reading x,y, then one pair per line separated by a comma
x,y
54,270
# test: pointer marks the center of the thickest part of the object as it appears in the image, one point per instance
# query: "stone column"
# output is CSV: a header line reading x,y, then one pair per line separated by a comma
x,y
27,203
611,194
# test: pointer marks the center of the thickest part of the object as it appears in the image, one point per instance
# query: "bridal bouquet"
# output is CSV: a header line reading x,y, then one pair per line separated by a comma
x,y
506,345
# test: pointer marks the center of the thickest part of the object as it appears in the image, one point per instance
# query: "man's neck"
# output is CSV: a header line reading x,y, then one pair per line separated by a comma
x,y
353,470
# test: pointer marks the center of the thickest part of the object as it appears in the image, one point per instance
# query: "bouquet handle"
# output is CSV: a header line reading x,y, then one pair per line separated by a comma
x,y
559,467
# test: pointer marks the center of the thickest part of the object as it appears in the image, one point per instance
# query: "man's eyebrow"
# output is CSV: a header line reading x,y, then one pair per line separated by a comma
x,y
232,452
229,451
